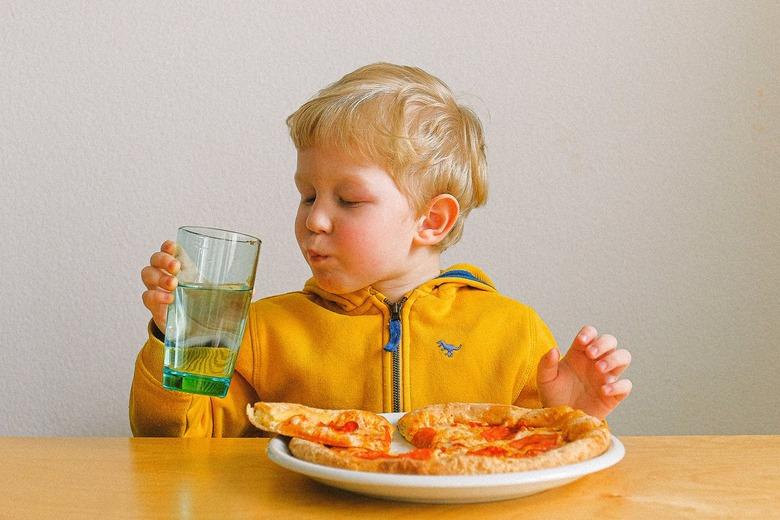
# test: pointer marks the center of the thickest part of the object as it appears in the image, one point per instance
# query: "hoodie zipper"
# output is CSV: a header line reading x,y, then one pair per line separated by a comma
x,y
393,346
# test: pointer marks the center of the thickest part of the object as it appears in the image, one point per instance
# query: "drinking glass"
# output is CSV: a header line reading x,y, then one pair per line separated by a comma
x,y
205,322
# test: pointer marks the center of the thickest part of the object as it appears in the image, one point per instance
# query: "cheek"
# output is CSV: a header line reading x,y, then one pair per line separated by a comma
x,y
361,249
355,237
300,224
369,245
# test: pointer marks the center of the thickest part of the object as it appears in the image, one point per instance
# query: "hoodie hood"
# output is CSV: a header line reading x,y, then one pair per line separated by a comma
x,y
454,277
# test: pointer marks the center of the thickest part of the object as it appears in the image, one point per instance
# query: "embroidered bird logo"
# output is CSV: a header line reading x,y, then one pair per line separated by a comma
x,y
448,349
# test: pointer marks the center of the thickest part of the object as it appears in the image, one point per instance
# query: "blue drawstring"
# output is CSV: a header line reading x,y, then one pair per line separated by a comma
x,y
395,336
461,273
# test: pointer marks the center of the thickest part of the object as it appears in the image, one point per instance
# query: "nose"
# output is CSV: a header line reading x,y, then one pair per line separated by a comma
x,y
318,219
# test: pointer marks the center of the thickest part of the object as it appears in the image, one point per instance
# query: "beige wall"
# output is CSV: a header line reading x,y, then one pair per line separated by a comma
x,y
634,152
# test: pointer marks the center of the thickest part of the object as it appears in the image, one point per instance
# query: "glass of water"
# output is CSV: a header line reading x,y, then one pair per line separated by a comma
x,y
205,322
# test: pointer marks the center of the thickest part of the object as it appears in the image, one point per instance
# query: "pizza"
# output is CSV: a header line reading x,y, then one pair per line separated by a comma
x,y
345,428
465,438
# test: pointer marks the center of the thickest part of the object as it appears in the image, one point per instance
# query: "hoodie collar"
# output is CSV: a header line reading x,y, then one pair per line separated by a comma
x,y
458,275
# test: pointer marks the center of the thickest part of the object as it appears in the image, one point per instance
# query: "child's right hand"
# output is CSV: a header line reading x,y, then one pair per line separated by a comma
x,y
159,277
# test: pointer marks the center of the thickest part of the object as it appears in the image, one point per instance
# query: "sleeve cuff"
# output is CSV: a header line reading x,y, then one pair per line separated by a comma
x,y
155,332
153,353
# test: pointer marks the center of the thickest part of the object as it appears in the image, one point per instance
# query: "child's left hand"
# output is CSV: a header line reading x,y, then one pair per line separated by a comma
x,y
587,377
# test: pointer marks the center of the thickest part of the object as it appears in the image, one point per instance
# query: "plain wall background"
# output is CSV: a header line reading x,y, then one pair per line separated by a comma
x,y
633,147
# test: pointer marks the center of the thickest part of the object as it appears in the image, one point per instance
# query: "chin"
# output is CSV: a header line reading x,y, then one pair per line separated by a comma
x,y
332,285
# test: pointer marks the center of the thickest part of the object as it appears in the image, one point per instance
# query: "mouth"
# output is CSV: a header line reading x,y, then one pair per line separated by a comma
x,y
314,256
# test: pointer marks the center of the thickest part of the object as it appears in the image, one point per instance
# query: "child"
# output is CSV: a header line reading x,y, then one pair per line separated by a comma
x,y
389,166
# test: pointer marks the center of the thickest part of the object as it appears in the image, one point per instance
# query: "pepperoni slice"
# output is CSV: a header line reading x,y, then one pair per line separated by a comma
x,y
347,427
489,451
496,433
536,440
424,438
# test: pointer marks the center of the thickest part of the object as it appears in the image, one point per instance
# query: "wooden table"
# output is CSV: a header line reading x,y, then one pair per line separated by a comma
x,y
660,477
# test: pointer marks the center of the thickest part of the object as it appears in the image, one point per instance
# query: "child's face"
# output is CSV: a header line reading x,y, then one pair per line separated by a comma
x,y
354,226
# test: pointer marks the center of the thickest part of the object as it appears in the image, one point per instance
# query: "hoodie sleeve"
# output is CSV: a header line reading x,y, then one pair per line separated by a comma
x,y
542,341
157,412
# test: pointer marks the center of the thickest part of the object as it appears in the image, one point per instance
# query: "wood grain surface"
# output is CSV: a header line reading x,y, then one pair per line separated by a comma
x,y
660,477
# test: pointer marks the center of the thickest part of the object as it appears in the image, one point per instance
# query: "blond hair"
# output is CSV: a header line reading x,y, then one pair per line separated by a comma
x,y
407,121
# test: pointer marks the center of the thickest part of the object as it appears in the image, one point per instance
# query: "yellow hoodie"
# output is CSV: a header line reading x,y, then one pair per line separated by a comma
x,y
454,338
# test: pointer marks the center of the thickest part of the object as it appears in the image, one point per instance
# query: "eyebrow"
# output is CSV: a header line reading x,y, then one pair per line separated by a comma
x,y
352,183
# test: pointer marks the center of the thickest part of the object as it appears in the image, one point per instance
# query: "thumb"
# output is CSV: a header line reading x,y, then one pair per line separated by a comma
x,y
547,370
188,272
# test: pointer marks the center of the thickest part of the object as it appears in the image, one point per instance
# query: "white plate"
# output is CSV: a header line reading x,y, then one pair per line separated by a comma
x,y
442,489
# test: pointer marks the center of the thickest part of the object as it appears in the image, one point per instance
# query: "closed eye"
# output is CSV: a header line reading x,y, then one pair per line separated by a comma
x,y
349,203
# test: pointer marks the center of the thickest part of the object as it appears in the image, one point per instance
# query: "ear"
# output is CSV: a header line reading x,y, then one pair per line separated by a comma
x,y
434,224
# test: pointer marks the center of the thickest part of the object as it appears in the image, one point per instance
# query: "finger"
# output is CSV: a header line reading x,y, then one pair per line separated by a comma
x,y
548,367
165,261
169,246
154,278
601,345
584,337
613,360
618,390
614,375
153,300
150,276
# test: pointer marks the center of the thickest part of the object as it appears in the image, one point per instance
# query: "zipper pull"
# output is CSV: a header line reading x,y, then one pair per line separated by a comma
x,y
395,325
